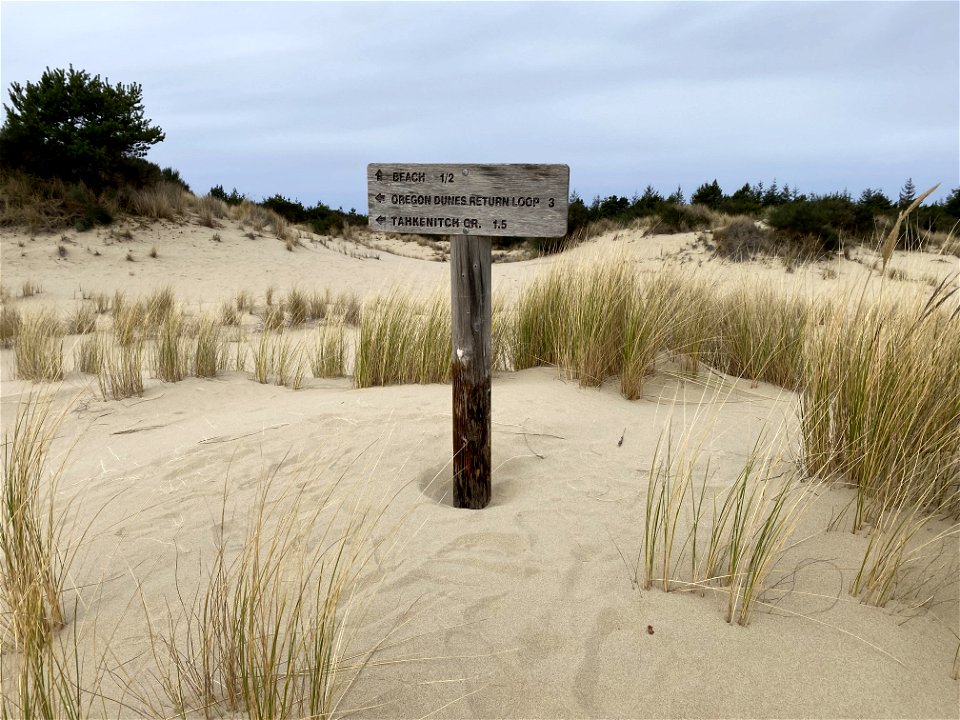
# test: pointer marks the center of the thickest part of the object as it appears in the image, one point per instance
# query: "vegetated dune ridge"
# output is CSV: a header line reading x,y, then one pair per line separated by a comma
x,y
532,607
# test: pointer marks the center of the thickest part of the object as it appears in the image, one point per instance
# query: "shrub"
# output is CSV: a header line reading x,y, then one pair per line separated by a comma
x,y
743,239
816,224
675,218
234,198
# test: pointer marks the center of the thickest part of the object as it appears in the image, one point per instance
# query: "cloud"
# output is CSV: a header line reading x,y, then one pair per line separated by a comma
x,y
296,98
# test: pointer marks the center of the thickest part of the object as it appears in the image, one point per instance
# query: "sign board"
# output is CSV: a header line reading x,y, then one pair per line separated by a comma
x,y
493,200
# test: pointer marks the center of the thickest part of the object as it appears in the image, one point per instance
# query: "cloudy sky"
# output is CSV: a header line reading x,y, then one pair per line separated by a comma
x,y
296,98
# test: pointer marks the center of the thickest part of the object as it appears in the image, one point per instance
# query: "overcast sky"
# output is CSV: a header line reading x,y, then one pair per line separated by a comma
x,y
296,98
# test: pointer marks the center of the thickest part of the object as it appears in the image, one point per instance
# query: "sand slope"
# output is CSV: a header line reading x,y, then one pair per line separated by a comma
x,y
528,608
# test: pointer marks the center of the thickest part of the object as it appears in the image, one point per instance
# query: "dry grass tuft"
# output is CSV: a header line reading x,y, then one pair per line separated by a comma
x,y
163,201
403,341
265,638
886,250
34,569
210,356
120,374
30,288
298,307
39,347
210,210
171,353
82,320
875,409
751,523
327,359
88,354
9,325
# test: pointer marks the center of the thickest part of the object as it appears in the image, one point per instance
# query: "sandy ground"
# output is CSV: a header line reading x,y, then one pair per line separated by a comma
x,y
529,608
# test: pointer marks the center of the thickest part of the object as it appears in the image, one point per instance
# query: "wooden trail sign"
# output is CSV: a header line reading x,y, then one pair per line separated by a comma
x,y
470,203
492,200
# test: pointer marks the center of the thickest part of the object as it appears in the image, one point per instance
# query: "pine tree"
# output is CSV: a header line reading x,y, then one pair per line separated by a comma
x,y
907,194
73,126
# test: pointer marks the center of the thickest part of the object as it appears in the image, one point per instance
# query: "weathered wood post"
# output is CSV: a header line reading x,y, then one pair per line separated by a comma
x,y
470,369
469,203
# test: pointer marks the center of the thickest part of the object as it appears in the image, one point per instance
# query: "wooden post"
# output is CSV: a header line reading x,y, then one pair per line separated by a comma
x,y
470,369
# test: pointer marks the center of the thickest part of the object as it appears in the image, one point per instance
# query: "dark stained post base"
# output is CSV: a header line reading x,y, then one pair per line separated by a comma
x,y
470,369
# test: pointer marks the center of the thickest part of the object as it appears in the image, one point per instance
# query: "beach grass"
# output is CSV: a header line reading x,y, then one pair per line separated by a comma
x,y
171,352
327,358
743,539
33,570
82,320
210,355
9,325
878,410
265,637
401,340
121,369
88,353
38,346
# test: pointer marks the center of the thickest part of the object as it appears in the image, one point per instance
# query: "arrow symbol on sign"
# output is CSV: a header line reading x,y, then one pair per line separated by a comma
x,y
379,175
381,197
380,219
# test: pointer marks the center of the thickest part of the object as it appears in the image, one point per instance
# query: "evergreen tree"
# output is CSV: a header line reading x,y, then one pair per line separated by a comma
x,y
952,203
908,194
708,194
73,126
874,200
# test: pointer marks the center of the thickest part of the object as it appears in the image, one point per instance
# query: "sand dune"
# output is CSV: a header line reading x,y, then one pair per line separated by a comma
x,y
528,608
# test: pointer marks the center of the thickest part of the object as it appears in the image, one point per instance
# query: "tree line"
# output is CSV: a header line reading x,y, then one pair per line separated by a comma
x,y
81,129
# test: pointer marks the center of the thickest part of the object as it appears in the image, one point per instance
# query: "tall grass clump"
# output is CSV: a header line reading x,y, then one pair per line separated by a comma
x,y
751,522
30,288
604,319
318,305
88,353
592,332
158,306
274,356
298,307
287,363
82,320
348,307
272,317
879,403
39,667
401,340
121,374
261,359
266,636
33,564
171,351
760,335
244,301
210,209
9,325
894,562
667,311
539,320
327,359
130,320
210,356
38,347
163,201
